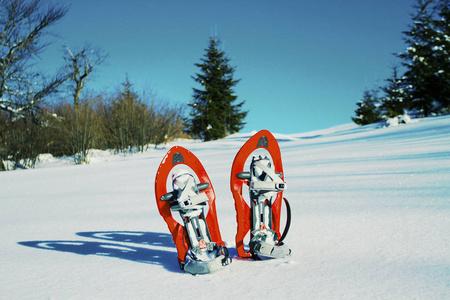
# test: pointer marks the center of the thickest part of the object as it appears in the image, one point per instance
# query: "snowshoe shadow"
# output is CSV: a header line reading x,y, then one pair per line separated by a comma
x,y
134,237
117,247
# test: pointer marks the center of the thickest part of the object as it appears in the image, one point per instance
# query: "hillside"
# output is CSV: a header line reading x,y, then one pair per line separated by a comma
x,y
370,220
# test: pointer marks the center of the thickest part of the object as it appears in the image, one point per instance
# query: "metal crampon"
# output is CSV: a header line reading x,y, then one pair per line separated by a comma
x,y
204,256
265,183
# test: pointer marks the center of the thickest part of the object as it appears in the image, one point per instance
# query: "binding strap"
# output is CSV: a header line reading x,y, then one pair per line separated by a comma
x,y
288,221
276,185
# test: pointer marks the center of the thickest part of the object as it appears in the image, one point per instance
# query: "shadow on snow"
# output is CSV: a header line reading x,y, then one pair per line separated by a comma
x,y
128,245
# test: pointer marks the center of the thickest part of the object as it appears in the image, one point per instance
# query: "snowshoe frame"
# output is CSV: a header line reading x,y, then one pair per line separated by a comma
x,y
265,140
175,156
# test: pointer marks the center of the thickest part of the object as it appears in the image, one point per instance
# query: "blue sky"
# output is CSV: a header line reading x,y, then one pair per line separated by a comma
x,y
303,65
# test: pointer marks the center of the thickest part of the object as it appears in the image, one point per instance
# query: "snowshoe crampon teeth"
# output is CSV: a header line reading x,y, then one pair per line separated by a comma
x,y
264,243
269,250
206,261
199,267
196,267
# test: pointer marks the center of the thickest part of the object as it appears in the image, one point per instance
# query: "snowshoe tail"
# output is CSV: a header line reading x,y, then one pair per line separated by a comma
x,y
198,241
261,216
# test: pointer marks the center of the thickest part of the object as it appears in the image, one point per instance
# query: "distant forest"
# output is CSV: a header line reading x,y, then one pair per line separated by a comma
x,y
36,119
420,82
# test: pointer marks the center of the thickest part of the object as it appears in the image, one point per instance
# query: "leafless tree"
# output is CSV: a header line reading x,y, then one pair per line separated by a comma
x,y
80,65
22,25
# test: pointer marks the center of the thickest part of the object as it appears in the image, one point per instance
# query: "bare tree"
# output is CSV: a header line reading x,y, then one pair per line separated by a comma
x,y
22,88
22,24
79,67
84,127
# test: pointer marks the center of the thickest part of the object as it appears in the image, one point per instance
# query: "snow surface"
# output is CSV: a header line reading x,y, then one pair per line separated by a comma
x,y
371,220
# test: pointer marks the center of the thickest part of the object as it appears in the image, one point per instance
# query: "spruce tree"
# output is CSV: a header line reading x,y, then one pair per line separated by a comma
x,y
394,102
427,57
368,110
442,53
213,112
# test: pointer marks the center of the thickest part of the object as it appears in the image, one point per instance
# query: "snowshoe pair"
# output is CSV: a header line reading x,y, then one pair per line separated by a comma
x,y
200,247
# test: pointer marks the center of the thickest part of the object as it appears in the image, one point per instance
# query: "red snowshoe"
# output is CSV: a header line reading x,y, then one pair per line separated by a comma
x,y
261,214
198,240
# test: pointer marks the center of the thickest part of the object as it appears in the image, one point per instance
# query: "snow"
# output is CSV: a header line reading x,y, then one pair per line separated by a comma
x,y
370,220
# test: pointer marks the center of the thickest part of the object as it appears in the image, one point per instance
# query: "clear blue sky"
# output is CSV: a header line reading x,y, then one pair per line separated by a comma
x,y
303,64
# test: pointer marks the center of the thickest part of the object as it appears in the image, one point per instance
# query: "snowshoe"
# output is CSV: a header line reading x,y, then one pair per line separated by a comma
x,y
266,185
199,244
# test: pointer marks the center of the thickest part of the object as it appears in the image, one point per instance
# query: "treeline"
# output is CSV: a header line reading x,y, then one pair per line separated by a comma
x,y
36,119
125,122
424,87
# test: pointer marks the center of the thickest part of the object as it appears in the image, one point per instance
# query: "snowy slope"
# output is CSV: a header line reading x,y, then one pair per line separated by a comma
x,y
371,219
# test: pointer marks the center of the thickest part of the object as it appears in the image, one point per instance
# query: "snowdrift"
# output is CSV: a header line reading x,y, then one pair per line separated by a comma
x,y
370,219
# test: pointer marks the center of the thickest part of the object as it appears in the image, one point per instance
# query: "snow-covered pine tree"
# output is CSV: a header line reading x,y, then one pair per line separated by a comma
x,y
368,110
394,102
213,112
427,58
442,53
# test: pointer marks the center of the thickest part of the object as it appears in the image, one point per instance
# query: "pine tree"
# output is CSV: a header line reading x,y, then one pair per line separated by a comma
x,y
213,114
427,57
368,110
122,118
442,53
394,102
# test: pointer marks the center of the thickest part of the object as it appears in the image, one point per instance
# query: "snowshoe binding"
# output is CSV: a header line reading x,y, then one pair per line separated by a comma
x,y
198,241
266,186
